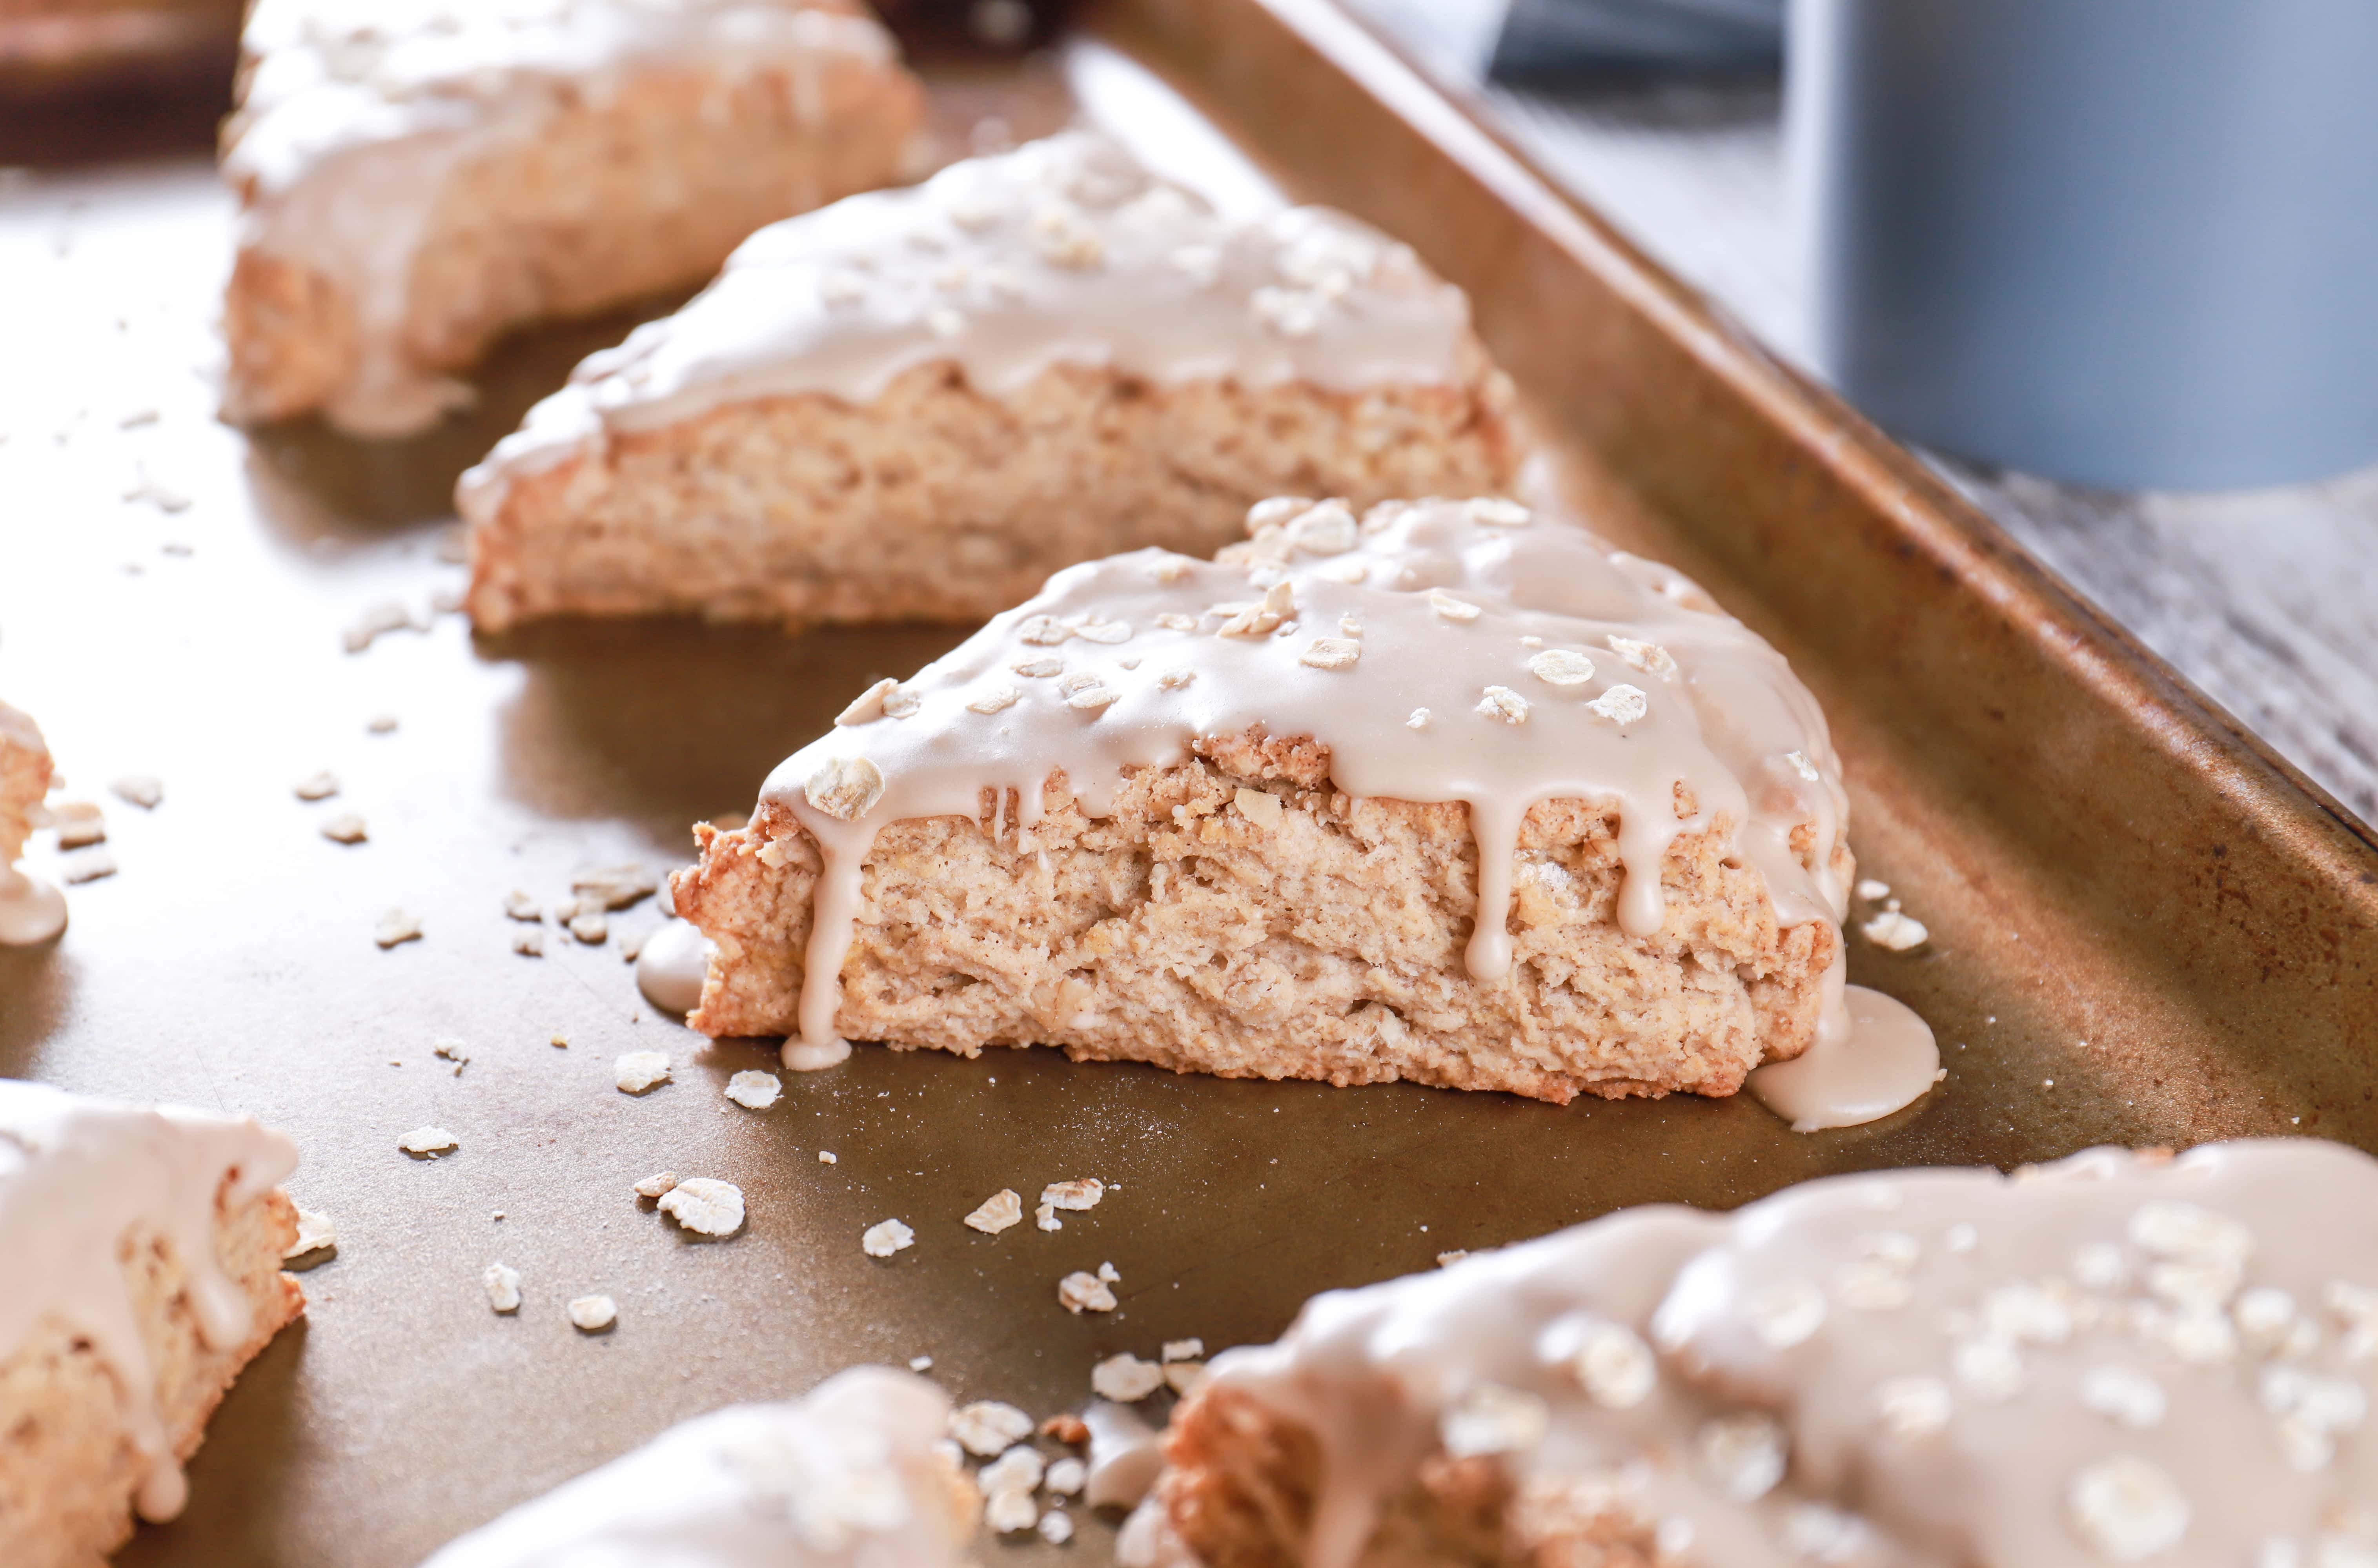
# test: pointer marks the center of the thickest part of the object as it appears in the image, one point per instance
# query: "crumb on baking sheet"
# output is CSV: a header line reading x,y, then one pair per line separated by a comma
x,y
657,1186
143,790
316,1232
86,865
1018,1469
614,887
320,787
920,1363
396,926
1185,1350
589,926
502,1282
825,1157
1056,1526
593,1314
521,907
885,1238
1083,1292
1185,1378
1897,932
1066,1427
638,1071
1008,1511
428,1140
1083,1192
989,1427
997,1212
1045,1216
754,1089
1066,1475
79,824
529,944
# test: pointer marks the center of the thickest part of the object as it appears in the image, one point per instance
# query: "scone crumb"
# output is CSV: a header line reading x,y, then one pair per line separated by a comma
x,y
754,1089
638,1071
1066,1427
997,1212
883,1239
657,1186
593,1314
1895,931
503,1288
428,1140
1082,1292
1125,1378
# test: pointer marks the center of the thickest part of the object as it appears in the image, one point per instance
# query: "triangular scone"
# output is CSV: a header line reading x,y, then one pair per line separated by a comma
x,y
2116,1358
417,177
1237,817
140,1256
851,1475
918,403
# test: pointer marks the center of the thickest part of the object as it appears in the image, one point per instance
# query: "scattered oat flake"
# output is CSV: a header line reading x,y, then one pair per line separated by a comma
x,y
503,1288
1620,704
315,1232
637,1071
1561,667
844,788
920,1363
1872,890
1106,633
450,1049
590,927
376,621
994,699
705,1205
1447,1260
657,1185
1125,1378
381,724
428,1140
989,1427
397,926
593,1314
1184,1349
885,1239
345,828
1045,1216
79,824
1452,609
529,944
1082,1292
1056,1526
1106,1273
1082,1193
1648,657
754,1089
86,865
613,886
1007,1511
1018,1469
520,905
142,789
1065,1477
320,787
1185,1378
1895,931
1331,653
825,1157
997,1212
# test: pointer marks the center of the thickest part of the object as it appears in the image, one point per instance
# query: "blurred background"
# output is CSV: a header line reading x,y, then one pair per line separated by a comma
x,y
2105,264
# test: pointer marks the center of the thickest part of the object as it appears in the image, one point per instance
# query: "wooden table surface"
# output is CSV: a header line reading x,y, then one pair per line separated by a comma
x,y
2266,600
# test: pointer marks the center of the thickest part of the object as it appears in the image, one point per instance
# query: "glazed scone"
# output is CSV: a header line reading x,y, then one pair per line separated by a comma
x,y
143,1250
31,910
2116,1358
916,404
1453,794
25,769
420,176
846,1476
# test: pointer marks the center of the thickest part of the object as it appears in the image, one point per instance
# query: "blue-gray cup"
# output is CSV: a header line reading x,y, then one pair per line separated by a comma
x,y
2130,243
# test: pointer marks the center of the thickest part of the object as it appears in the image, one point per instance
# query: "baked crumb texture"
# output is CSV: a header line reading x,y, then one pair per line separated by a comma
x,y
1327,945
2118,1358
918,404
410,197
939,501
68,1465
24,782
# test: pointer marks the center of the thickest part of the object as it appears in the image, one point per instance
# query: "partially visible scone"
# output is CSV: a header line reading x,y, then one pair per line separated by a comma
x,y
848,1476
25,770
918,403
142,1252
1453,794
419,179
2116,1358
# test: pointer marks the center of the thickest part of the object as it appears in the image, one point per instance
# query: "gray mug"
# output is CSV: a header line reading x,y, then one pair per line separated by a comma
x,y
2130,243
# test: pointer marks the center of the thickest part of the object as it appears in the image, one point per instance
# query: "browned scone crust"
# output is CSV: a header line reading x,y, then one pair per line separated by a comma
x,y
1180,932
938,501
637,188
1239,1483
68,1467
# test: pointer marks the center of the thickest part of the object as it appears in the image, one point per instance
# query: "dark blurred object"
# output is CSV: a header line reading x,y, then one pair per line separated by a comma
x,y
969,27
55,52
1544,41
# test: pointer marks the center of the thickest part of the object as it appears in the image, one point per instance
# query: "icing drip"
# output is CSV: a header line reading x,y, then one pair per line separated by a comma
x,y
1872,1057
1063,252
356,114
845,1475
1443,651
670,970
2114,1359
75,1176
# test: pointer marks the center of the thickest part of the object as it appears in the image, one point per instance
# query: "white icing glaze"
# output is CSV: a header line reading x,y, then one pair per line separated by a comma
x,y
845,1475
1063,252
1872,1057
1618,680
670,968
356,114
75,1174
2112,1359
